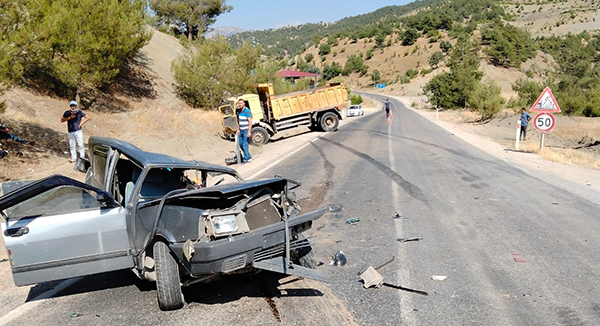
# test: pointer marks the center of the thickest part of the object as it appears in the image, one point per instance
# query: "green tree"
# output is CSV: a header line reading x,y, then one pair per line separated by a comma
x,y
68,45
410,36
196,14
331,71
452,89
356,99
324,49
309,57
203,71
445,46
435,59
376,76
486,99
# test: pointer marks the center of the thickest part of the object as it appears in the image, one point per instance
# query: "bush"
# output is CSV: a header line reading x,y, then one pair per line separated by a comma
x,y
356,99
486,99
324,49
435,59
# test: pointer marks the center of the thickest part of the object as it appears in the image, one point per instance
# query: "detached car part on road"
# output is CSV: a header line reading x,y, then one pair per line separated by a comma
x,y
171,221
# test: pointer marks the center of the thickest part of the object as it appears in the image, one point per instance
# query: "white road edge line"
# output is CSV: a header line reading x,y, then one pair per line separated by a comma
x,y
20,310
261,171
406,315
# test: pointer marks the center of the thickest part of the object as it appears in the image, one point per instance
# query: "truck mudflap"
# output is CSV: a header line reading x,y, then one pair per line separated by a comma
x,y
284,266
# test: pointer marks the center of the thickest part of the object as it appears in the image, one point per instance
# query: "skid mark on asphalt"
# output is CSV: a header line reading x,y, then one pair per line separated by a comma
x,y
408,187
568,317
316,195
459,153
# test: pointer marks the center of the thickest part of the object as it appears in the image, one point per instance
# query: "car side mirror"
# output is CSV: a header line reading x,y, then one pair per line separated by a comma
x,y
104,199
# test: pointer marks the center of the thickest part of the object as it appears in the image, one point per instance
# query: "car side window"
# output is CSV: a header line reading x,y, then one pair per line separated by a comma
x,y
99,165
58,200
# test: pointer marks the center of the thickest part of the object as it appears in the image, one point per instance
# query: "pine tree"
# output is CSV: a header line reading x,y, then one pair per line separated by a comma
x,y
196,14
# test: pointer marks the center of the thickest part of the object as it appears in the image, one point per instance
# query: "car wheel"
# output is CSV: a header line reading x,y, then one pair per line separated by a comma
x,y
304,256
260,136
168,287
329,122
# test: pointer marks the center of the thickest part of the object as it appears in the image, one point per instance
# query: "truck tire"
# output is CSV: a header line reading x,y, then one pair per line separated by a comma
x,y
168,287
260,135
329,122
304,256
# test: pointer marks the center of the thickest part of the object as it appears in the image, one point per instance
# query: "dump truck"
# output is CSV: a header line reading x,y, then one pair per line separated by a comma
x,y
319,109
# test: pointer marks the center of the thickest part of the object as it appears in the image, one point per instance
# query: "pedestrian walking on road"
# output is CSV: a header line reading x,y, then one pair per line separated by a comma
x,y
244,130
525,118
388,110
75,119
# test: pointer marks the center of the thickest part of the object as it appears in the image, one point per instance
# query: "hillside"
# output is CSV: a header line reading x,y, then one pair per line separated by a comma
x,y
151,116
393,60
293,39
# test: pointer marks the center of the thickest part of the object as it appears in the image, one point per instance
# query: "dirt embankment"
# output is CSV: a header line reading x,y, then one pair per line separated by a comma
x,y
143,109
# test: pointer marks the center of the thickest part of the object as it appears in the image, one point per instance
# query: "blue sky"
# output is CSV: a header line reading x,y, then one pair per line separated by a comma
x,y
263,14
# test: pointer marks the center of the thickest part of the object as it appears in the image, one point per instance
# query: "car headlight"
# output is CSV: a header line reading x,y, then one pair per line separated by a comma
x,y
224,224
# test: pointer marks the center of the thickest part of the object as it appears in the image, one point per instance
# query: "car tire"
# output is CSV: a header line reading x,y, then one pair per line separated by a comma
x,y
329,122
260,135
304,256
168,286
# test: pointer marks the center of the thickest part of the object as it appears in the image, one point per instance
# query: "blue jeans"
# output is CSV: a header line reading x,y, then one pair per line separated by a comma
x,y
244,145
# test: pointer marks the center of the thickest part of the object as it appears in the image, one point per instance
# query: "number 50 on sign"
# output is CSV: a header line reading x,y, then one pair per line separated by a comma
x,y
544,122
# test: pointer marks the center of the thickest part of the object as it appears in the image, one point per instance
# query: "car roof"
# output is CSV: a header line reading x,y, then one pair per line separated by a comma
x,y
149,159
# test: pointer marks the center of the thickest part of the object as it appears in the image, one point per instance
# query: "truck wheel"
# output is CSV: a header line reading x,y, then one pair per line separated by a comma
x,y
260,136
305,256
168,286
329,122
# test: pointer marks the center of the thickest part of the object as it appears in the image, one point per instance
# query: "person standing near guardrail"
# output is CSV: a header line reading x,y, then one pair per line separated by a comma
x,y
75,119
244,130
525,118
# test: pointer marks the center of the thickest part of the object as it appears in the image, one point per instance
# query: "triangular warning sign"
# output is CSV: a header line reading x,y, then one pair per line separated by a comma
x,y
546,102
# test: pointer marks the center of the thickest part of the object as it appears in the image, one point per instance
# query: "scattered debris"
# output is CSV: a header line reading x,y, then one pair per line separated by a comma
x,y
409,239
371,277
75,314
438,277
339,259
477,197
353,220
3,260
398,287
517,259
399,216
588,184
554,203
384,264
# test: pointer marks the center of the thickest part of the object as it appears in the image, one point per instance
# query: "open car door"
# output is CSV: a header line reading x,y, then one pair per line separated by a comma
x,y
228,118
58,228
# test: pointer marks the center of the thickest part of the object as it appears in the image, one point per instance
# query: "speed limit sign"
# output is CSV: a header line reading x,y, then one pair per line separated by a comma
x,y
544,122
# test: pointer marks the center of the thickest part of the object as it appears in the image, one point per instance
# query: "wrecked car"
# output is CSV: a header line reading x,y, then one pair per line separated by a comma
x,y
171,221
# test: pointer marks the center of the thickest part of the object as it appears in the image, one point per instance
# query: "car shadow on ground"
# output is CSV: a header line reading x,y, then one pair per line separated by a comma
x,y
225,289
259,285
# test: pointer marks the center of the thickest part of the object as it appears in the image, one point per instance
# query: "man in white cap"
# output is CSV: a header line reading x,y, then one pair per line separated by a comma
x,y
75,119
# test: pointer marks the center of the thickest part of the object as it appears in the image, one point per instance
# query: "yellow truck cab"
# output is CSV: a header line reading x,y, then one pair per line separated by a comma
x,y
319,108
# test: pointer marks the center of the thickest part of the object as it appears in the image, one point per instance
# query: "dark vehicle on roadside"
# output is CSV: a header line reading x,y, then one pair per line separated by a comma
x,y
171,221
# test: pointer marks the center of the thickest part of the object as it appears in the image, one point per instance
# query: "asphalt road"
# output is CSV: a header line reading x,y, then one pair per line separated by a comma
x,y
515,249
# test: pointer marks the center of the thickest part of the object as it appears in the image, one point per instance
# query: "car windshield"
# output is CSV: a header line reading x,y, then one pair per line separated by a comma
x,y
159,181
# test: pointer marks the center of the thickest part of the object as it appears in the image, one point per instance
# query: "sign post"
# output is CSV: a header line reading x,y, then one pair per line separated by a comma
x,y
544,122
546,104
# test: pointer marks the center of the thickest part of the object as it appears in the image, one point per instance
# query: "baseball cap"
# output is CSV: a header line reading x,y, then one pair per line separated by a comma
x,y
73,103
